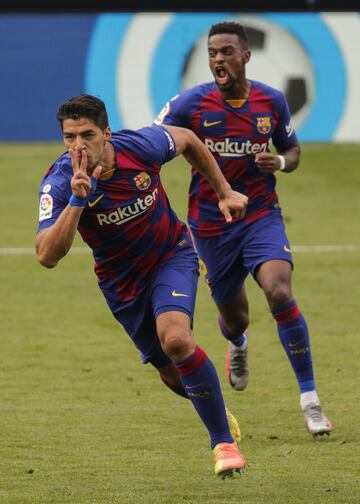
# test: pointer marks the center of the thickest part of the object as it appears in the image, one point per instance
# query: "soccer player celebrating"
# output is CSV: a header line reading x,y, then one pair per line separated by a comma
x,y
236,118
107,186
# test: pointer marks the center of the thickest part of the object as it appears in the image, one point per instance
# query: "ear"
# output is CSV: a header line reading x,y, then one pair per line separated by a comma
x,y
246,57
107,134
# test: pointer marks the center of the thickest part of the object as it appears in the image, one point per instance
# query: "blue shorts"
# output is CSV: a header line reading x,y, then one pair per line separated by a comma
x,y
172,287
226,260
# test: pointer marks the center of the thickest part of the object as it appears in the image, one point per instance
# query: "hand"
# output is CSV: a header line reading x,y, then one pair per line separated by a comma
x,y
81,184
267,162
233,204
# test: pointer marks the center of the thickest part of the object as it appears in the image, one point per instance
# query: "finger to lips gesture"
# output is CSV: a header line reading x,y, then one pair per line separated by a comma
x,y
80,181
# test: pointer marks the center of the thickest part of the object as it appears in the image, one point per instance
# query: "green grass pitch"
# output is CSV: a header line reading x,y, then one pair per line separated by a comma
x,y
84,422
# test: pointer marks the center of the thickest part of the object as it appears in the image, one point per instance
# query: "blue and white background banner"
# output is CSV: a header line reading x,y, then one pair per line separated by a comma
x,y
137,62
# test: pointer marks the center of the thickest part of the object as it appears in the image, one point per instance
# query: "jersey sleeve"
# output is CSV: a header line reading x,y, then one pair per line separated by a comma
x,y
174,112
284,135
153,144
54,195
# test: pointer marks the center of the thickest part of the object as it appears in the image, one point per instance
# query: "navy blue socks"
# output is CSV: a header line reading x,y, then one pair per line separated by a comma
x,y
201,382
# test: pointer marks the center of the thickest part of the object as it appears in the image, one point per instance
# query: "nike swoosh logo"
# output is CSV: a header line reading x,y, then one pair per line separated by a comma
x,y
287,249
208,124
188,387
177,294
93,203
291,345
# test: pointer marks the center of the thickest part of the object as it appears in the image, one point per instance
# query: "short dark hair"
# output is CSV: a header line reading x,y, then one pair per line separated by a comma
x,y
84,105
230,27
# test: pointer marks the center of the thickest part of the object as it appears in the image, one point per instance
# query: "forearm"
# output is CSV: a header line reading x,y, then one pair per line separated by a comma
x,y
292,158
53,243
201,158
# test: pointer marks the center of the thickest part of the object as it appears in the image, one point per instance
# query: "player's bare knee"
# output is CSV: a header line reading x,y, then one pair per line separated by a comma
x,y
237,323
279,296
177,343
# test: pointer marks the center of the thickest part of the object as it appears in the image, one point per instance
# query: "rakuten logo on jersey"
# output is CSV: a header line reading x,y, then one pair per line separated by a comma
x,y
229,148
128,212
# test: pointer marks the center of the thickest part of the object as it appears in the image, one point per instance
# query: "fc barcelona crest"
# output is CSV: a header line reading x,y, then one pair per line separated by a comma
x,y
142,181
263,125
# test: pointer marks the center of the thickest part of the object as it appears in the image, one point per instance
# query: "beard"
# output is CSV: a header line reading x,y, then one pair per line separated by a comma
x,y
228,85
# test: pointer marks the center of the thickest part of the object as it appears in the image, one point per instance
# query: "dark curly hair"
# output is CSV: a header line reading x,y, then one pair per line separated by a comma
x,y
231,27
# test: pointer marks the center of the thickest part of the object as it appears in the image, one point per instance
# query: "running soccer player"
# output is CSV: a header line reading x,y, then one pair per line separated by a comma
x,y
107,186
236,118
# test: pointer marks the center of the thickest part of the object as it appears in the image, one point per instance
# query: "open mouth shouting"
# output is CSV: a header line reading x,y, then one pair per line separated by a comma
x,y
222,77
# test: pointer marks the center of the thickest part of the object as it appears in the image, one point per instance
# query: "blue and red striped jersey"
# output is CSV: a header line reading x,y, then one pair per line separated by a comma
x,y
128,222
234,135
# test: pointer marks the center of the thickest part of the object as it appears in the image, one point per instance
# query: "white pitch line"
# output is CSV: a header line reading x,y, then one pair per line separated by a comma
x,y
294,248
325,248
